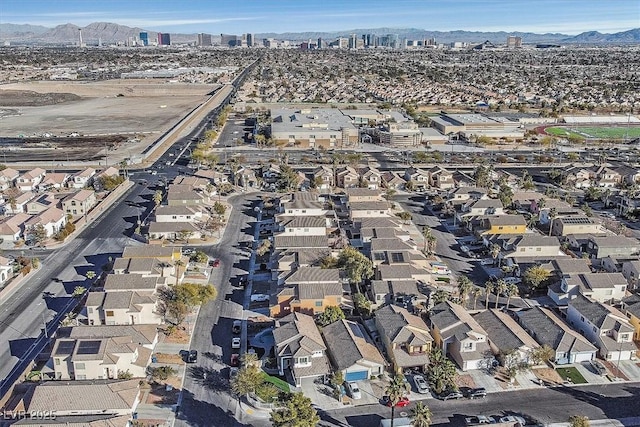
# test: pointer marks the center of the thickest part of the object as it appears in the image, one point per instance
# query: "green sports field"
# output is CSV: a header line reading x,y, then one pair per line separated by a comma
x,y
591,132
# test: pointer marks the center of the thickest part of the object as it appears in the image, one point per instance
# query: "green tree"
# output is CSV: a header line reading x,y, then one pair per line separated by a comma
x,y
420,415
162,373
396,390
180,299
329,262
465,286
489,286
405,216
355,264
511,291
78,291
441,372
482,176
535,277
288,180
505,195
526,181
542,354
199,256
337,379
298,412
440,296
219,208
499,287
579,421
124,375
38,233
362,303
157,197
246,380
430,241
329,315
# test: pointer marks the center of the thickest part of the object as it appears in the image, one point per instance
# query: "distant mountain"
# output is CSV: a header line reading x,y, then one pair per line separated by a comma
x,y
111,33
631,36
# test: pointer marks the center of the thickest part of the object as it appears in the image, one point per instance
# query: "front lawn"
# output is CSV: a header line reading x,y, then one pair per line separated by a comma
x,y
571,374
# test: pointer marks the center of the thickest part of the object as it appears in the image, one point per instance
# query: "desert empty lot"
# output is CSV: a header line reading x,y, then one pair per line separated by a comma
x,y
146,108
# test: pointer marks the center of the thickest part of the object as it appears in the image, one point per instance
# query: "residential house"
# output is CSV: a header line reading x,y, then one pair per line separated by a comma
x,y
370,178
393,180
164,213
122,308
79,203
575,224
81,398
147,267
558,208
12,228
401,292
619,246
347,177
308,290
462,195
601,287
405,337
6,270
579,177
441,178
52,220
174,231
607,177
358,194
603,325
270,174
352,352
502,224
480,207
29,180
8,177
630,175
631,272
245,177
98,358
459,335
419,178
548,329
299,348
82,178
527,200
54,181
164,253
532,245
302,204
505,335
302,226
41,203
631,307
323,178
134,282
18,204
215,177
98,179
376,209
144,335
613,264
181,196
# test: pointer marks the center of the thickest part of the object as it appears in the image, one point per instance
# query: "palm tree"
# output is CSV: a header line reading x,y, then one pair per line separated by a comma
x,y
488,290
465,286
475,294
511,291
533,220
499,287
494,250
179,263
553,212
420,415
429,240
541,204
396,390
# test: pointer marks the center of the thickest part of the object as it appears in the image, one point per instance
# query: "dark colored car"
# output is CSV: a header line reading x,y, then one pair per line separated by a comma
x,y
235,359
404,401
192,357
450,395
476,393
214,262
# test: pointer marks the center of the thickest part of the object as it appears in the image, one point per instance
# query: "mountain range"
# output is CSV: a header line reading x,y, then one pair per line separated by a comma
x,y
111,33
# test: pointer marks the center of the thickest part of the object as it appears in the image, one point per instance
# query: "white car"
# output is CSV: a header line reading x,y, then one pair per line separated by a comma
x,y
259,298
353,390
421,384
235,342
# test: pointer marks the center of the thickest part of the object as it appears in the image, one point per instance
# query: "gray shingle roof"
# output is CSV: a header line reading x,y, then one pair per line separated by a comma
x,y
348,344
503,331
286,242
313,275
127,282
141,334
395,320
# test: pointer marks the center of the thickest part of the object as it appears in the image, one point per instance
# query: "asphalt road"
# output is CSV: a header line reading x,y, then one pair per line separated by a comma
x,y
447,247
546,405
205,400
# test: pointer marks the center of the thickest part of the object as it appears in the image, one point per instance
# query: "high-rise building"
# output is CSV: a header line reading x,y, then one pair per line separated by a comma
x,y
164,39
514,41
144,38
228,40
319,43
204,39
353,41
249,39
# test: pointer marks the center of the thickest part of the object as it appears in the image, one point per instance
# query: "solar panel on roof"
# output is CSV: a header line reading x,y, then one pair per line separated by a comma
x,y
65,347
88,347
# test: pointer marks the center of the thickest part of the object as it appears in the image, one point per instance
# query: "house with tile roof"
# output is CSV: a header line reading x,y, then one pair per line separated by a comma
x,y
52,220
54,181
505,335
405,337
299,349
164,213
347,177
144,335
605,326
79,203
352,352
133,282
12,228
547,328
82,178
18,204
302,226
41,203
99,358
60,398
29,180
459,335
8,177
122,308
602,287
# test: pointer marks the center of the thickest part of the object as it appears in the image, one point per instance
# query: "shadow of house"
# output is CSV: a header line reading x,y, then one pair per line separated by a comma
x,y
198,413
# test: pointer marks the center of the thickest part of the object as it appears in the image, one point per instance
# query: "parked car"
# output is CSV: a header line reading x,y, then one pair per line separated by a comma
x,y
450,395
421,384
512,280
479,420
476,393
404,401
233,372
192,357
214,263
259,298
487,261
235,359
513,419
598,367
235,342
237,326
353,390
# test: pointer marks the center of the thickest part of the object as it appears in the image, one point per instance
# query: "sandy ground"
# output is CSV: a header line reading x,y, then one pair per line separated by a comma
x,y
144,108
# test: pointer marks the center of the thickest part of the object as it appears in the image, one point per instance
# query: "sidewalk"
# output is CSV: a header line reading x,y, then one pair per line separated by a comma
x,y
627,422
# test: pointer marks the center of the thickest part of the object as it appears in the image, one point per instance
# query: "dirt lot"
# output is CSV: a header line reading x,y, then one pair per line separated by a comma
x,y
144,108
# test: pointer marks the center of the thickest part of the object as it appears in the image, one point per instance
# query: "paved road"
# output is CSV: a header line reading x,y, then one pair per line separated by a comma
x,y
447,247
206,401
545,405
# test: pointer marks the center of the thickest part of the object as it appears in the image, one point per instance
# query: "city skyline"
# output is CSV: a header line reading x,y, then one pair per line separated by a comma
x,y
271,16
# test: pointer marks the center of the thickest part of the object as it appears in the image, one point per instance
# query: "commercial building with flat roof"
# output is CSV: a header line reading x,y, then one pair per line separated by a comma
x,y
471,125
312,128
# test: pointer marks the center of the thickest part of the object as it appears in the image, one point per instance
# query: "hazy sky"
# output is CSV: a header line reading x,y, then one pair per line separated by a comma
x,y
259,16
